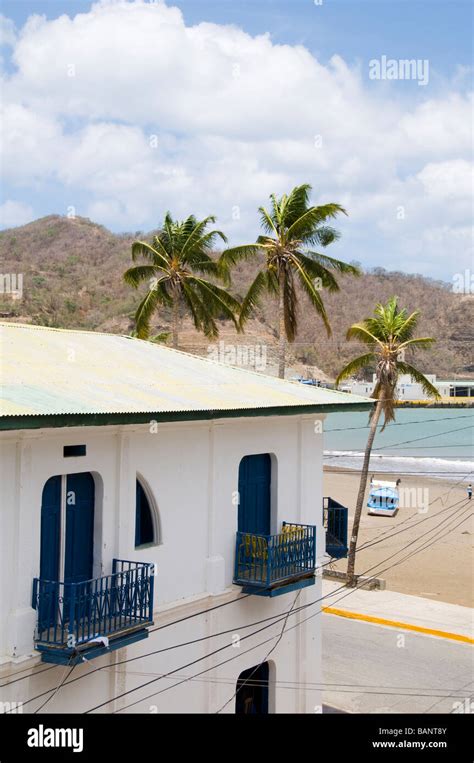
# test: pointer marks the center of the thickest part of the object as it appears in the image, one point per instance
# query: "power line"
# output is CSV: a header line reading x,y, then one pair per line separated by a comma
x,y
239,688
347,688
58,687
427,437
443,534
273,617
245,637
361,548
206,670
374,542
277,618
429,447
30,675
399,423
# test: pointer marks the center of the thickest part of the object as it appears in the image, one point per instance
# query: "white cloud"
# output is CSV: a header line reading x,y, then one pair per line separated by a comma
x,y
33,145
140,113
14,213
448,180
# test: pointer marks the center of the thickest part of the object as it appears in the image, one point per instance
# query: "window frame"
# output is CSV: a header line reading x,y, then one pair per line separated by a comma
x,y
154,514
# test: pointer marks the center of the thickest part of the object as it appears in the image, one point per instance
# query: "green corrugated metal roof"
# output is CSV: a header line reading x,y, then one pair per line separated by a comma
x,y
58,372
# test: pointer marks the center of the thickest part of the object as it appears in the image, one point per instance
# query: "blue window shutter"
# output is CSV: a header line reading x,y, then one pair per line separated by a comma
x,y
254,494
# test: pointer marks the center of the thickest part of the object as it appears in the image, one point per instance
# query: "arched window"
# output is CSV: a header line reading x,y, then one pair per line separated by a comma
x,y
146,524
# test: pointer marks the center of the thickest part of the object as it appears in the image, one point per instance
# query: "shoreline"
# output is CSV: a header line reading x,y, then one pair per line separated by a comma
x,y
395,475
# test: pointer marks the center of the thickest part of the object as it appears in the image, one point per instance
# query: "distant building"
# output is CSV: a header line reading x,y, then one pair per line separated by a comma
x,y
144,491
408,389
456,388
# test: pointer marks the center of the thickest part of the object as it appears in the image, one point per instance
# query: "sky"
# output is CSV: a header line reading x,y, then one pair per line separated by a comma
x,y
120,110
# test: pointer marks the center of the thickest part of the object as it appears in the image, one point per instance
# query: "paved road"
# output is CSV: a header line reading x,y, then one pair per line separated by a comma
x,y
367,669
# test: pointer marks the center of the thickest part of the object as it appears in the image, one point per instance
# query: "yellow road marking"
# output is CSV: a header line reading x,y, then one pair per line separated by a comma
x,y
396,624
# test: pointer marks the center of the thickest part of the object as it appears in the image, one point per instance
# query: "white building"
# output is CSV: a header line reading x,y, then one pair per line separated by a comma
x,y
409,389
117,449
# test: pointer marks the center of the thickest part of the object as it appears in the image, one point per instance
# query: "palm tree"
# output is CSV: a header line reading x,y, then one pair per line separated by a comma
x,y
292,227
178,253
387,334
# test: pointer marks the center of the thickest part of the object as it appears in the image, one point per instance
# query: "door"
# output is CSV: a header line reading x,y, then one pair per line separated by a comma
x,y
50,529
50,545
67,543
252,691
79,543
254,494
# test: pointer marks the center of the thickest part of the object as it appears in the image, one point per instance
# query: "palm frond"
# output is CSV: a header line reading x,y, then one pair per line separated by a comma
x,y
231,257
362,334
145,310
201,319
216,300
355,365
334,264
315,270
313,293
323,236
304,226
289,307
422,341
138,274
428,388
295,204
252,299
272,285
158,256
197,239
408,326
384,393
266,221
277,210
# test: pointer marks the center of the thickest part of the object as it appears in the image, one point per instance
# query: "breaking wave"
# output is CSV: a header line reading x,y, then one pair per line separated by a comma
x,y
443,468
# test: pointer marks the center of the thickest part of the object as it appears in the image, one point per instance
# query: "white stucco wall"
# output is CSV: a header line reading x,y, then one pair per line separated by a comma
x,y
192,471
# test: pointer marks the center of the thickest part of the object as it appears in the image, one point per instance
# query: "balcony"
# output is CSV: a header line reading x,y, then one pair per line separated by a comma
x,y
78,621
335,524
269,565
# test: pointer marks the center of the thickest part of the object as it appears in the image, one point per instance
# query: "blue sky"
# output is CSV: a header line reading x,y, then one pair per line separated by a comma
x,y
174,113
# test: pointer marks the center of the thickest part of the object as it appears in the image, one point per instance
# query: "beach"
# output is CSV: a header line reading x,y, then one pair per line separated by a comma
x,y
438,516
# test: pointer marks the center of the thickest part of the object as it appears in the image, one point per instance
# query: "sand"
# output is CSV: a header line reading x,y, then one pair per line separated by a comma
x,y
444,570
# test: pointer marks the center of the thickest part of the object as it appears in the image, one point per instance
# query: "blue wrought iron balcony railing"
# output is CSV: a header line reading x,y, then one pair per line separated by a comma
x,y
269,565
335,524
87,619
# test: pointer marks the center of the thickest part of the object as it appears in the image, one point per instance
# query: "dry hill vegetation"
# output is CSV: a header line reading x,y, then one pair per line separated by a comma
x,y
72,278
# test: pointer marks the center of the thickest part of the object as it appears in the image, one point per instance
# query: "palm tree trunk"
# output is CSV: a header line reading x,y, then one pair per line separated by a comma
x,y
351,579
175,326
281,325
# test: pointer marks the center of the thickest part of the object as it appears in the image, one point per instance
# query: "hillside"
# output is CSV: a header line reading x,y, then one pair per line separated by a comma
x,y
72,277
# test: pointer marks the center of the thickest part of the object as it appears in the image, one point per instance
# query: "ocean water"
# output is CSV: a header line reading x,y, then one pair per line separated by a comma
x,y
435,442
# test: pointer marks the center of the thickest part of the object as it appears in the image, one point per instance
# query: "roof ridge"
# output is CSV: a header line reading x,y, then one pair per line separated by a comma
x,y
39,327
